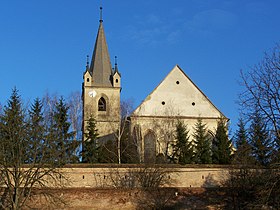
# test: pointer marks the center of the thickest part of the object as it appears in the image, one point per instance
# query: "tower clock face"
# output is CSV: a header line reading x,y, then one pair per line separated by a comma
x,y
92,93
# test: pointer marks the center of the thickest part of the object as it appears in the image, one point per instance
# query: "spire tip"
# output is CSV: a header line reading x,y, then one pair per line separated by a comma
x,y
87,62
116,64
101,19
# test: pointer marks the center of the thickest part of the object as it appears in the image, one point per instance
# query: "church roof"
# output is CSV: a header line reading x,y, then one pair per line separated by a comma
x,y
100,68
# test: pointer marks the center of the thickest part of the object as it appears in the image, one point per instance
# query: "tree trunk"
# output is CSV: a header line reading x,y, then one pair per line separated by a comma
x,y
119,149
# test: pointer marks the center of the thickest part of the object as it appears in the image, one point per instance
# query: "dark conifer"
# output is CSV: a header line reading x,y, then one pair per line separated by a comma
x,y
183,148
36,133
259,139
243,153
202,141
13,136
65,146
90,153
241,135
221,146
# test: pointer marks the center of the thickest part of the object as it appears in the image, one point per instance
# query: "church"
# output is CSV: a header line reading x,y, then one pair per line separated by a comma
x,y
154,121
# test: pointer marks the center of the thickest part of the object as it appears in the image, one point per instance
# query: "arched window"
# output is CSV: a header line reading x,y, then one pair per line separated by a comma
x,y
102,104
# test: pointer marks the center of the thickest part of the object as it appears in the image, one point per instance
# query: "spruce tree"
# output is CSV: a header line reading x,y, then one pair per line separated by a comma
x,y
241,135
90,153
13,132
243,153
22,141
221,146
65,147
183,148
36,133
202,143
259,139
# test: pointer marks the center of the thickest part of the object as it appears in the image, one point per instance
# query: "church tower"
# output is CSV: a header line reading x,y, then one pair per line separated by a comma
x,y
101,88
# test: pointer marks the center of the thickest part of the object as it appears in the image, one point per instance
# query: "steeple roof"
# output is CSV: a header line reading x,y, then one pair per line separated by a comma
x,y
100,68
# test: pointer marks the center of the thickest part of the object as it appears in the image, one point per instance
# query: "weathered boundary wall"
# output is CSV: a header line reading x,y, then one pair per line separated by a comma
x,y
95,177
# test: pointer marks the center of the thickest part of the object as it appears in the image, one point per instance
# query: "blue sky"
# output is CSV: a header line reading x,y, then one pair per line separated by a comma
x,y
43,44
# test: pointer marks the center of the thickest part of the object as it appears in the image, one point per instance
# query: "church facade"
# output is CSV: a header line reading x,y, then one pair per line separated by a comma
x,y
153,122
175,99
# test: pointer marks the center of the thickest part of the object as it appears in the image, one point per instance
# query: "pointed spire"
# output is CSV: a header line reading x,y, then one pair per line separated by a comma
x,y
100,67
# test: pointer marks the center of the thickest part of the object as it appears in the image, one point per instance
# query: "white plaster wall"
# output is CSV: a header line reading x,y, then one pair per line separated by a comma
x,y
182,99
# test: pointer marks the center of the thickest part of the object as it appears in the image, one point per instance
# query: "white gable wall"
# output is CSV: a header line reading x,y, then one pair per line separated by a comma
x,y
177,95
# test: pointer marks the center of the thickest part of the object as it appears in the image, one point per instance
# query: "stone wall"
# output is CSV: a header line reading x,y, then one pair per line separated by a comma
x,y
92,177
92,187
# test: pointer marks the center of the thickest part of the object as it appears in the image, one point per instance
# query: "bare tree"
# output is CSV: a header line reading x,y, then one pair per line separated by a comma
x,y
165,129
119,148
75,105
261,99
74,102
152,183
126,108
262,90
49,101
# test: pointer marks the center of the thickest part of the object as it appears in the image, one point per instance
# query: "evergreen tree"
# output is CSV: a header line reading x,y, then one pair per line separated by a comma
x,y
259,139
241,135
36,133
202,142
221,146
21,142
243,153
183,148
60,131
90,153
13,136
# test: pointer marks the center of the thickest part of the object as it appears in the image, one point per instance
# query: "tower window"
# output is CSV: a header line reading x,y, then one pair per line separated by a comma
x,y
117,80
163,102
87,79
101,104
177,82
